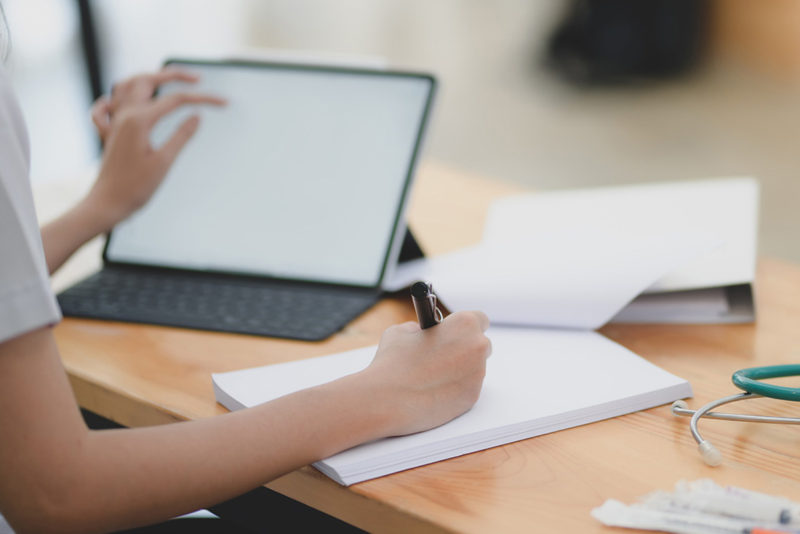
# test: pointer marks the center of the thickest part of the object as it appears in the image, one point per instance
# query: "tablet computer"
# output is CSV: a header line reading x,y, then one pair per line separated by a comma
x,y
299,183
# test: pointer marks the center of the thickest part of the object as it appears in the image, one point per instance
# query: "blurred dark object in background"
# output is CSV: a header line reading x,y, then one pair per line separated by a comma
x,y
600,42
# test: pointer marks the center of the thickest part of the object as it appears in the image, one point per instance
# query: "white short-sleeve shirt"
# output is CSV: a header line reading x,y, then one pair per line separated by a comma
x,y
26,299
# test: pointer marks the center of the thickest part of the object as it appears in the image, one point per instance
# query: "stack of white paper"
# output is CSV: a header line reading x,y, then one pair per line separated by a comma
x,y
537,381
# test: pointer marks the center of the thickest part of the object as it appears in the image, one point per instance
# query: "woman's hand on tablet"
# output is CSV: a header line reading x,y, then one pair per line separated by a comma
x,y
132,169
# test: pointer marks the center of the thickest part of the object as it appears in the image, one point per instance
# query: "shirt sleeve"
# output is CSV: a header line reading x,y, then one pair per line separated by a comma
x,y
26,299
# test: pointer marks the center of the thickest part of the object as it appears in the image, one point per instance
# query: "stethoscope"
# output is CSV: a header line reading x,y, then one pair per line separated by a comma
x,y
748,381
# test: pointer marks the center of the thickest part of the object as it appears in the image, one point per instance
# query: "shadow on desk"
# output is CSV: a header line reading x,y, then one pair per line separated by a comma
x,y
260,510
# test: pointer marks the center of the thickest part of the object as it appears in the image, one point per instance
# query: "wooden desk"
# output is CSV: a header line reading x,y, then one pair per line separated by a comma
x,y
144,375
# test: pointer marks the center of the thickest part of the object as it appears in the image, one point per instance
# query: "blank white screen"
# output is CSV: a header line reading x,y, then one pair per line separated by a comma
x,y
300,176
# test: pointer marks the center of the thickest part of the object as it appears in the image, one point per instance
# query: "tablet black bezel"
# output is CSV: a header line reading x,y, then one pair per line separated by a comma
x,y
395,240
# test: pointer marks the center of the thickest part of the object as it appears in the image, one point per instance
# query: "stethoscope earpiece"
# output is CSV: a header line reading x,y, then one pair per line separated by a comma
x,y
711,455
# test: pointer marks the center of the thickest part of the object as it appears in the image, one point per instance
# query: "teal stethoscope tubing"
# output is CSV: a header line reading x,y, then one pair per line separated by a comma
x,y
748,380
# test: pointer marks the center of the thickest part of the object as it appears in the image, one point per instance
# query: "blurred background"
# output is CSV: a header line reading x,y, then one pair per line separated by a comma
x,y
552,94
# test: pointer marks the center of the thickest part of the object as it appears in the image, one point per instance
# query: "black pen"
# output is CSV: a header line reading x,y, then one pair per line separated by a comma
x,y
425,305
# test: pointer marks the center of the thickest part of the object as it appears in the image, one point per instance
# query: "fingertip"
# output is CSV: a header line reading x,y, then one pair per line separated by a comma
x,y
101,106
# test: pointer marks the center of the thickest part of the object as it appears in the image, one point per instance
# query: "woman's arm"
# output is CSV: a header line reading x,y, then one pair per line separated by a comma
x,y
57,476
131,168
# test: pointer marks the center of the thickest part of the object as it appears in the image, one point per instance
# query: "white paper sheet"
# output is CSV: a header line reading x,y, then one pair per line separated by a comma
x,y
572,276
726,207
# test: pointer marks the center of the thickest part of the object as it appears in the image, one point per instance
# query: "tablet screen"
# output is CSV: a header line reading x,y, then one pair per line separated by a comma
x,y
302,175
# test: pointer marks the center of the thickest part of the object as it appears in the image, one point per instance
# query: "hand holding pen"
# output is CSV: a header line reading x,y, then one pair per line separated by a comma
x,y
427,376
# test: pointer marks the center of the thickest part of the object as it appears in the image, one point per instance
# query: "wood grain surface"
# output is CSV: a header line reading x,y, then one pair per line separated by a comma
x,y
145,375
